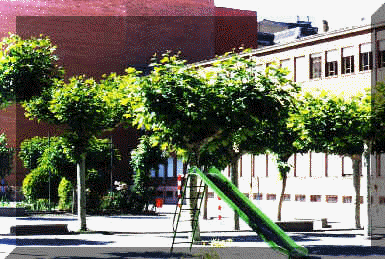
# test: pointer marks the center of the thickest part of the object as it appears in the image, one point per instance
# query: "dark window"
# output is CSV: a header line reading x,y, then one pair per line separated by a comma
x,y
257,196
331,65
331,198
366,57
169,194
315,66
331,68
271,197
381,58
286,197
315,198
347,60
347,199
348,65
300,197
381,53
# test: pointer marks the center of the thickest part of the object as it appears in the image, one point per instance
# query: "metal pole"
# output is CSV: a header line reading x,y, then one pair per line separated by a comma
x,y
111,161
49,178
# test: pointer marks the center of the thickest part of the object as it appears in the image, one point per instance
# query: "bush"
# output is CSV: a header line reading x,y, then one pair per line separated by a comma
x,y
65,190
36,185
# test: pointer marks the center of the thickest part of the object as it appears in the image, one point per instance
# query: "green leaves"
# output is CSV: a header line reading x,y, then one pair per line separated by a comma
x,y
27,67
6,156
336,124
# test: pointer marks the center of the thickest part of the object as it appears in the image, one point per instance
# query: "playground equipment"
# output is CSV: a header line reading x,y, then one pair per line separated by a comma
x,y
271,233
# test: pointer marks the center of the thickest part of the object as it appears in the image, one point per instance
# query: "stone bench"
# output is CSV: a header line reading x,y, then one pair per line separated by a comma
x,y
296,226
48,229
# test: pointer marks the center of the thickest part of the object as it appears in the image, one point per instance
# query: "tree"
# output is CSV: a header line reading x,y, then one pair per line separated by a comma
x,y
81,107
144,158
196,109
6,155
339,125
27,67
56,155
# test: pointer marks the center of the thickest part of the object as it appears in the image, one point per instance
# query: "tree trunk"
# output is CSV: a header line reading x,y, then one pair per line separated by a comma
x,y
206,198
81,177
194,213
284,180
284,169
357,161
234,180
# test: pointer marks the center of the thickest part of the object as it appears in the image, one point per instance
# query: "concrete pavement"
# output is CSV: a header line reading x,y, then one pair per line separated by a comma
x,y
151,237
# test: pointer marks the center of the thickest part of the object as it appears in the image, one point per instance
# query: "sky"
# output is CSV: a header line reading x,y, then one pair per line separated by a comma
x,y
338,13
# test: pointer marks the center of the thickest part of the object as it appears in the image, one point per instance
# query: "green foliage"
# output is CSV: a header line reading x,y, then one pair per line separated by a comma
x,y
80,105
65,191
378,118
189,108
27,67
36,184
58,154
6,157
336,124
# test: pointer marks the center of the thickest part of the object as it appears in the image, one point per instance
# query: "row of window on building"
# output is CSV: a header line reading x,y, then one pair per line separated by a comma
x,y
302,198
332,58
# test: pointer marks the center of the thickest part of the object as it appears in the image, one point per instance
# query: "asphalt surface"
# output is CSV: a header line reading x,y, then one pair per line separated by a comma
x,y
133,236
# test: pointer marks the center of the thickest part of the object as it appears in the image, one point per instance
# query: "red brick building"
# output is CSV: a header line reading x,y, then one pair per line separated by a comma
x,y
100,37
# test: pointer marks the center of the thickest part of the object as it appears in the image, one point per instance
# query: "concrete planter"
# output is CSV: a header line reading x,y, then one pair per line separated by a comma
x,y
12,212
296,226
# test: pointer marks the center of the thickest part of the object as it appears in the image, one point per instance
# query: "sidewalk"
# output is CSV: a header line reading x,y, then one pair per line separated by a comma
x,y
151,237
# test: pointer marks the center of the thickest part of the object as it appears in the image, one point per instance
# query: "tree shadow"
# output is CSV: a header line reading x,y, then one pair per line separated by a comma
x,y
50,242
335,250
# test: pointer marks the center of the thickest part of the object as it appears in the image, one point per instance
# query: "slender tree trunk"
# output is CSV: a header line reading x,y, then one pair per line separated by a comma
x,y
194,213
357,161
206,198
81,182
281,197
234,180
284,169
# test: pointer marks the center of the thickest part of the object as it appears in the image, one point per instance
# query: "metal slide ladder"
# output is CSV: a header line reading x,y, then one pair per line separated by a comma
x,y
181,208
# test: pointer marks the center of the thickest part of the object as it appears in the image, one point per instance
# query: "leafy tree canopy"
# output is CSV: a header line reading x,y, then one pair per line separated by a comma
x,y
27,67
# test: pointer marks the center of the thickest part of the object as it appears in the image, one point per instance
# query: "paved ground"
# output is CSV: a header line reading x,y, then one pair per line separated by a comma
x,y
151,237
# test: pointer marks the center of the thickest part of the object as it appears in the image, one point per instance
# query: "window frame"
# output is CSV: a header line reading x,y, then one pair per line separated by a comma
x,y
366,56
315,61
331,67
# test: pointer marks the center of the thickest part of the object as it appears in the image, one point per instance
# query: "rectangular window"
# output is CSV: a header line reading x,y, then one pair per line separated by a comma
x,y
300,69
315,65
366,57
381,200
286,197
347,199
300,197
271,197
315,198
331,65
331,198
169,194
381,53
347,60
257,196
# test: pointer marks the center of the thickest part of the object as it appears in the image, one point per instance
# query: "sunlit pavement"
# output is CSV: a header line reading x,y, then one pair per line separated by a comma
x,y
129,234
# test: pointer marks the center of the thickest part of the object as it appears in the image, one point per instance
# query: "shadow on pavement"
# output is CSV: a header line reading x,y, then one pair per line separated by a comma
x,y
339,251
49,242
47,219
297,237
140,252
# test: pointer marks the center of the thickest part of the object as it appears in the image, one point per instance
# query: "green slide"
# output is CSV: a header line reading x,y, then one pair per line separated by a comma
x,y
254,217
